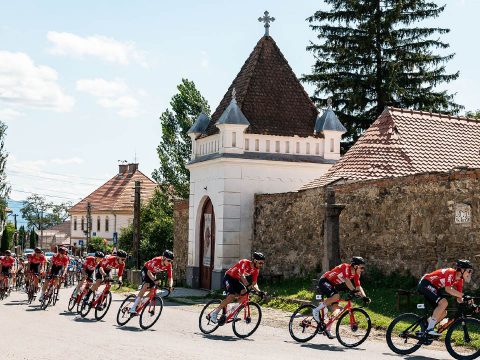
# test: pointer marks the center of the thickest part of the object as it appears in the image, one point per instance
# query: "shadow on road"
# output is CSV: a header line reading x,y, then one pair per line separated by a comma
x,y
412,357
80,319
325,347
16,303
129,328
67,313
222,337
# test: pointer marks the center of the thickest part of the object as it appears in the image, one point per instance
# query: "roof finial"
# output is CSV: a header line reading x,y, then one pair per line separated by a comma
x,y
266,20
234,94
329,103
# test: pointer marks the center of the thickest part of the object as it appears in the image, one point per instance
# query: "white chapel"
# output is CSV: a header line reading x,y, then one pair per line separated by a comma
x,y
266,136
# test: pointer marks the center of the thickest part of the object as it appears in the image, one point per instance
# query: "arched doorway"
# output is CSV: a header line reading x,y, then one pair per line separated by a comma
x,y
207,244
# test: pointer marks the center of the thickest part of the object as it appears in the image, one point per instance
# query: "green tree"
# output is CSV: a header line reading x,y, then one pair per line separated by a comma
x,y
33,239
22,236
97,243
156,221
41,214
4,187
7,237
474,114
175,145
373,54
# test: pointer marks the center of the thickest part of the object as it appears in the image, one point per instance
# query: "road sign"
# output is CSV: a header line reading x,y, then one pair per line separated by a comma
x,y
115,238
80,242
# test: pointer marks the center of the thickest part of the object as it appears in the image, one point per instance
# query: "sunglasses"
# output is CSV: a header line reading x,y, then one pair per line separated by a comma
x,y
169,260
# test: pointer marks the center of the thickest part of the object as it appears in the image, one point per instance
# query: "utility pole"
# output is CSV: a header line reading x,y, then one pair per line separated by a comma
x,y
15,220
89,222
136,225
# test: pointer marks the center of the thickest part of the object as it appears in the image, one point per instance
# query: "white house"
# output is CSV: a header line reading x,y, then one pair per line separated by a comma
x,y
111,205
266,136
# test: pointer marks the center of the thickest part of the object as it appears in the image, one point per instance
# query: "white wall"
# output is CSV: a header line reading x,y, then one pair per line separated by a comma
x,y
123,220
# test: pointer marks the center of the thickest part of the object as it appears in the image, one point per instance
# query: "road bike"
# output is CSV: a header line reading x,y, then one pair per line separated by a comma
x,y
162,284
245,316
20,282
51,294
77,299
4,286
407,332
352,329
30,286
149,308
101,303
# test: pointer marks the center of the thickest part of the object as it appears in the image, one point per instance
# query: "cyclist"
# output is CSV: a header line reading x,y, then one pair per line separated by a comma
x,y
236,283
150,269
6,265
20,268
449,279
58,269
88,268
102,271
329,285
36,265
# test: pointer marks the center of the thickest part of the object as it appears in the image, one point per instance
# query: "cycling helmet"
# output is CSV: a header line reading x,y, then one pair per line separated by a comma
x,y
38,250
8,253
357,260
258,256
99,254
121,254
168,254
62,250
464,264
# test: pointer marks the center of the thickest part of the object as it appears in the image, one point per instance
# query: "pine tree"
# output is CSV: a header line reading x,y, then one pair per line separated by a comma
x,y
33,237
175,145
374,53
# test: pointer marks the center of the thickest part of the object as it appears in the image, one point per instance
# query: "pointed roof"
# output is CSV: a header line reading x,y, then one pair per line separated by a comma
x,y
117,194
200,124
329,121
406,142
269,95
233,115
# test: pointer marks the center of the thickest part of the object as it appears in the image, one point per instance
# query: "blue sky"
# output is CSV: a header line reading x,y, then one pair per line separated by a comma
x,y
82,84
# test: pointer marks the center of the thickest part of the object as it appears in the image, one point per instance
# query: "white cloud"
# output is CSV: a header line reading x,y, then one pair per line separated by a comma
x,y
102,88
69,161
105,48
23,82
9,114
112,95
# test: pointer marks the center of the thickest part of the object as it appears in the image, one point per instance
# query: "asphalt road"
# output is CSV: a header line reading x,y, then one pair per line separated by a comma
x,y
26,332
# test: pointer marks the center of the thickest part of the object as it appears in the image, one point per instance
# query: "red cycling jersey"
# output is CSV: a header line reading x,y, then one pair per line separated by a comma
x,y
6,262
60,261
110,263
90,263
155,265
243,267
341,272
34,259
443,278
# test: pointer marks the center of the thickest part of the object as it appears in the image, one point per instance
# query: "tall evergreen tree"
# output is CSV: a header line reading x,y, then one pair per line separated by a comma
x,y
33,239
175,145
374,53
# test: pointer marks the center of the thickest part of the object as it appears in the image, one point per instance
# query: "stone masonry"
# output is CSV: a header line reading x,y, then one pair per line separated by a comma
x,y
180,240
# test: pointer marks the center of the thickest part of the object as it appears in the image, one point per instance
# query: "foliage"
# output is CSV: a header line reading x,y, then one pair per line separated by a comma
x,y
156,222
7,237
4,187
474,114
97,243
41,214
175,145
373,54
33,239
22,236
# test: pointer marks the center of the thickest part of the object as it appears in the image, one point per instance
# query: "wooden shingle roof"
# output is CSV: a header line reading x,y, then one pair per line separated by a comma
x,y
269,95
406,142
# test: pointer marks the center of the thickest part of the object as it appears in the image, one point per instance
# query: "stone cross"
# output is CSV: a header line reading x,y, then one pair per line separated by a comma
x,y
266,19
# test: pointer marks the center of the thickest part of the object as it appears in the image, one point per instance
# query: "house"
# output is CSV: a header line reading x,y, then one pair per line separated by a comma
x,y
54,235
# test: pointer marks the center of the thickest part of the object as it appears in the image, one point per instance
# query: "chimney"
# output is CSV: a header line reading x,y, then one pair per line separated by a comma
x,y
132,168
122,168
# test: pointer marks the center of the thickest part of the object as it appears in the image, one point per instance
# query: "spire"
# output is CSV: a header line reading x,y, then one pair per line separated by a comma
x,y
233,114
266,19
200,124
328,121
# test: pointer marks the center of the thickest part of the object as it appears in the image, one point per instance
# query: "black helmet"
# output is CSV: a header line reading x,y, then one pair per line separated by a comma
x,y
122,254
357,260
258,256
99,254
38,250
464,264
8,253
62,250
168,254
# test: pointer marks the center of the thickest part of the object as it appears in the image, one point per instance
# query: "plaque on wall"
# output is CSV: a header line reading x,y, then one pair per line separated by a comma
x,y
207,240
463,214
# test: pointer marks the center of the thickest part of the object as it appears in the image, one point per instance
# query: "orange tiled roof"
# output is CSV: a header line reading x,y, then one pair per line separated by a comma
x,y
117,194
405,142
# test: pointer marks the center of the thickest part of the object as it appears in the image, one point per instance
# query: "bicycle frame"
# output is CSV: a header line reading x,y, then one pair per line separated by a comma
x,y
242,300
84,291
347,307
151,295
105,291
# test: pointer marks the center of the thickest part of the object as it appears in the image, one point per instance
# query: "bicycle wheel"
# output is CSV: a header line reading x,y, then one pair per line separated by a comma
x,y
302,326
47,298
72,301
85,304
463,339
55,295
123,314
151,313
163,292
247,319
353,327
102,308
204,323
403,333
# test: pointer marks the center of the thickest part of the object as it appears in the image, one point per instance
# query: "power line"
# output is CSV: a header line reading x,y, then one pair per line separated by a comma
x,y
66,175
46,195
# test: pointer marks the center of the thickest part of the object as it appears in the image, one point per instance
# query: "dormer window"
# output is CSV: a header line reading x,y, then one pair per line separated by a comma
x,y
234,139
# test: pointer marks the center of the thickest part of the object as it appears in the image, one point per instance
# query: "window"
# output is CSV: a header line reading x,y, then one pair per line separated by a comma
x,y
106,224
287,147
83,223
267,146
317,149
75,223
247,145
277,146
308,148
98,223
297,150
257,145
234,139
331,145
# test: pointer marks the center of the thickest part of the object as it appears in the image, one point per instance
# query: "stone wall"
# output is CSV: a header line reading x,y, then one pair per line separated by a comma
x,y
180,241
401,224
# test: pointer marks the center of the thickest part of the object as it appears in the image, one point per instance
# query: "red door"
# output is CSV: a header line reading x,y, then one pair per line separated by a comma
x,y
207,245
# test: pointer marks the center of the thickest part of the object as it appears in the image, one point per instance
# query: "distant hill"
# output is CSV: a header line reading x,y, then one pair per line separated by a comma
x,y
15,206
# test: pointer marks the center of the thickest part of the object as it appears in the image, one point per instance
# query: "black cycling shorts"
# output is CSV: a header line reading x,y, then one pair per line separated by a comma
x,y
232,285
98,274
34,268
326,288
55,271
432,294
6,270
146,279
89,274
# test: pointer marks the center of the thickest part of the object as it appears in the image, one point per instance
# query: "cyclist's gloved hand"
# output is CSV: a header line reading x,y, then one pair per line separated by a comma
x,y
467,298
366,300
355,293
262,294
